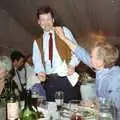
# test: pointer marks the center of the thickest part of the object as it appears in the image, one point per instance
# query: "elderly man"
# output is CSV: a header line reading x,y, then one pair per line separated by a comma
x,y
5,67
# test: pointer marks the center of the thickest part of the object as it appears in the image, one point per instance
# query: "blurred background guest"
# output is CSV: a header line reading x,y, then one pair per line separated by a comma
x,y
5,67
19,71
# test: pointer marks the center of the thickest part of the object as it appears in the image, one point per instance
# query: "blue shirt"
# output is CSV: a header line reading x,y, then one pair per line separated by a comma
x,y
107,80
38,66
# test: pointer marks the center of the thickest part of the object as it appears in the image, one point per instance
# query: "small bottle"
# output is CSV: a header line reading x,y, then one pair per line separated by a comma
x,y
12,104
28,113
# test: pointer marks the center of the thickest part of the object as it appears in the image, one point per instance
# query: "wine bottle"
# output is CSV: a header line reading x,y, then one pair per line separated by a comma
x,y
28,113
12,104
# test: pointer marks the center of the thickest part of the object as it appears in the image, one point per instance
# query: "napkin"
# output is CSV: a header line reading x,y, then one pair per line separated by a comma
x,y
73,79
62,71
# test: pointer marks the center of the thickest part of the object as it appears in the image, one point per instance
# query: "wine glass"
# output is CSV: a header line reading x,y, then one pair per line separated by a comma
x,y
59,99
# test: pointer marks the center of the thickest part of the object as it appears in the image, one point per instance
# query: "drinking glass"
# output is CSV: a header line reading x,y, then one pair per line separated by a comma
x,y
74,104
107,109
42,102
59,99
34,98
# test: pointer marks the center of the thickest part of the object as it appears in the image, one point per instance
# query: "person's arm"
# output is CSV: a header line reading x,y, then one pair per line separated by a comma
x,y
80,52
74,60
69,37
37,61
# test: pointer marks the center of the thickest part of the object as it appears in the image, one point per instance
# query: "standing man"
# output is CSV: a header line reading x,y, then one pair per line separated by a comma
x,y
49,53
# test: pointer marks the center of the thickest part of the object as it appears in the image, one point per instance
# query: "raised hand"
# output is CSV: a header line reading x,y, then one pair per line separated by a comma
x,y
71,70
42,76
59,31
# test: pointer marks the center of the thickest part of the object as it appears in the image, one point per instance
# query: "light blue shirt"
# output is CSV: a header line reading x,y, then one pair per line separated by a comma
x,y
108,85
38,66
107,80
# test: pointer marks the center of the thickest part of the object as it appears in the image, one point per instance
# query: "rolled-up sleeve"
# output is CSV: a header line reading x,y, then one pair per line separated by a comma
x,y
83,55
74,60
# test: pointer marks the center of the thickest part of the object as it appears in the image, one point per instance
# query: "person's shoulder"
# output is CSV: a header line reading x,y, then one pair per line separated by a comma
x,y
65,28
115,70
39,37
115,73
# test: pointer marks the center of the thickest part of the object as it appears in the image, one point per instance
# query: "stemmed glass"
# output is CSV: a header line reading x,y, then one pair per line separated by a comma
x,y
59,99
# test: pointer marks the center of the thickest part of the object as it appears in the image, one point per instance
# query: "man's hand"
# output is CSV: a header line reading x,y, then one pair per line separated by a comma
x,y
59,31
71,70
42,76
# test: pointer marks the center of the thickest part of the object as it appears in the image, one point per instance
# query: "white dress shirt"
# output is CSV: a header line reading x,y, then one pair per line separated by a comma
x,y
38,66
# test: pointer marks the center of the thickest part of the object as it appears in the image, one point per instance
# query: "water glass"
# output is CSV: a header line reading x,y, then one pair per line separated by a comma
x,y
74,104
107,109
59,99
42,102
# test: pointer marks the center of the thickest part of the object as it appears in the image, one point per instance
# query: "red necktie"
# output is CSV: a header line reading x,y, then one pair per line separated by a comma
x,y
50,48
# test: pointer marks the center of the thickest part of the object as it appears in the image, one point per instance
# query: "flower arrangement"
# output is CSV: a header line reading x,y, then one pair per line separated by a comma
x,y
85,78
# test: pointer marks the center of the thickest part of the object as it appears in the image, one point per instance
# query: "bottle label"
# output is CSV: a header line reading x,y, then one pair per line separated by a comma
x,y
12,111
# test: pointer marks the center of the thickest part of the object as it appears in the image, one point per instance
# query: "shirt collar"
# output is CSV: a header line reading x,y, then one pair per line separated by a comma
x,y
47,32
105,71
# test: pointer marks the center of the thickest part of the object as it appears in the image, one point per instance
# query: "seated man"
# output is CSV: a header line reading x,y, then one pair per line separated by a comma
x,y
102,58
23,75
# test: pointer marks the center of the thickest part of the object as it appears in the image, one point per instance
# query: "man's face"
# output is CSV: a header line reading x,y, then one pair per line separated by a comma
x,y
95,61
20,64
46,21
3,73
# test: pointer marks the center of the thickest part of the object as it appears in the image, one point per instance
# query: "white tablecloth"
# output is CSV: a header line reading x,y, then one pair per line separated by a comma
x,y
51,113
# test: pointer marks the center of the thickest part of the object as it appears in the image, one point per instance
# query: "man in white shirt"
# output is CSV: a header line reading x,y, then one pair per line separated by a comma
x,y
49,53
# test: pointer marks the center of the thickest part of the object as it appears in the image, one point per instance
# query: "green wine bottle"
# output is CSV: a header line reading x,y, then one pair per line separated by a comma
x,y
28,113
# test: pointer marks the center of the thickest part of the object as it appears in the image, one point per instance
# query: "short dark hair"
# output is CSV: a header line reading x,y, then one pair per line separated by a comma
x,y
16,55
44,10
